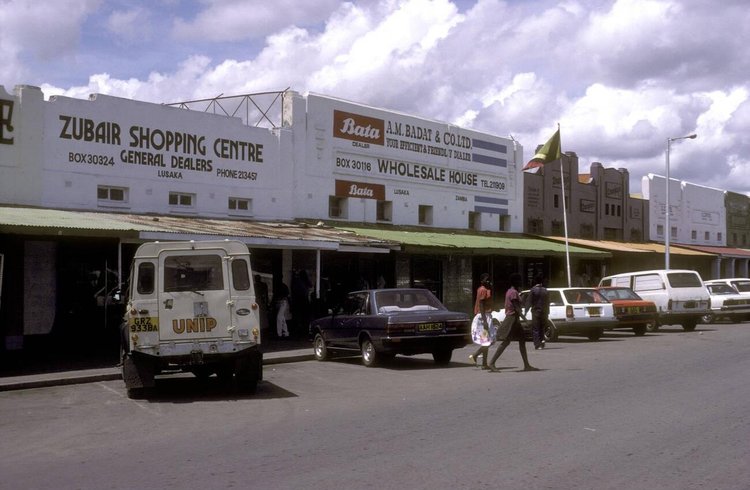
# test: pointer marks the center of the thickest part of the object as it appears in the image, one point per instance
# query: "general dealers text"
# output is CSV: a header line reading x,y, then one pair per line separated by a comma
x,y
144,140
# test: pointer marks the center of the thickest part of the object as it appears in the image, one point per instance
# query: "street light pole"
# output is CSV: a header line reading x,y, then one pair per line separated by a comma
x,y
668,230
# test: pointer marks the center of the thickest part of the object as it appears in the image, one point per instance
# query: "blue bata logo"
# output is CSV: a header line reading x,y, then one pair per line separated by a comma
x,y
6,118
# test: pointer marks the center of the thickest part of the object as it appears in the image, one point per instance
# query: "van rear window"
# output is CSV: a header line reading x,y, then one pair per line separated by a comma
x,y
193,273
684,280
647,282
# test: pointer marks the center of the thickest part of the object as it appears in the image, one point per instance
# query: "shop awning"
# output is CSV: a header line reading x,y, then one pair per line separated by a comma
x,y
518,244
723,252
137,228
631,247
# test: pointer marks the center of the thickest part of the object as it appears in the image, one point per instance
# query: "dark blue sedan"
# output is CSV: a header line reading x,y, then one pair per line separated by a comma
x,y
381,323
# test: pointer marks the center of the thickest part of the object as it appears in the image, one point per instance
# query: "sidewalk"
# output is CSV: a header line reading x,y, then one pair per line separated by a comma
x,y
36,376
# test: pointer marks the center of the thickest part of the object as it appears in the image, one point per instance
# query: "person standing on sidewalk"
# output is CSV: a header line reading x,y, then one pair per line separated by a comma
x,y
512,324
539,306
480,331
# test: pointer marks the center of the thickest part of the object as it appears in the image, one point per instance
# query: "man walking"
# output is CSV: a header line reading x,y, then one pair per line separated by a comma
x,y
539,306
513,321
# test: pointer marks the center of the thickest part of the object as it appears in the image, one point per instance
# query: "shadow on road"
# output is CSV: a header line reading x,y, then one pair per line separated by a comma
x,y
175,389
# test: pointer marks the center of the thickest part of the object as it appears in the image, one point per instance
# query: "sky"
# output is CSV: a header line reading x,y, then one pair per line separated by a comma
x,y
620,77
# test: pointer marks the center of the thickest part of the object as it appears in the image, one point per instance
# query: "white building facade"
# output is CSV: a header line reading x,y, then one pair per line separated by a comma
x,y
83,182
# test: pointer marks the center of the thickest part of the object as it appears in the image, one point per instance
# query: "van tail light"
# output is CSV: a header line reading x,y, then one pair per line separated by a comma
x,y
569,312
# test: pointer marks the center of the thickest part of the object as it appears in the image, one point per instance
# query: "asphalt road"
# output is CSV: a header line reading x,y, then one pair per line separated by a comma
x,y
669,410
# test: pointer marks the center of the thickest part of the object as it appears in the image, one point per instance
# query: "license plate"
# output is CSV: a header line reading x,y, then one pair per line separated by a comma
x,y
690,304
595,312
634,309
429,327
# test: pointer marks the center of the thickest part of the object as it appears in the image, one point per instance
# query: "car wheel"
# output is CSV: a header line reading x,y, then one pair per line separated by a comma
x,y
708,318
652,327
369,354
550,332
442,356
595,334
688,326
639,330
320,351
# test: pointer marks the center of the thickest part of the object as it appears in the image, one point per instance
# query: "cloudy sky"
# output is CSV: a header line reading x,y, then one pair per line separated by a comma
x,y
619,76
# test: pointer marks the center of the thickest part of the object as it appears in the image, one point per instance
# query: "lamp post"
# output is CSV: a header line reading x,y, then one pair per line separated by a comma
x,y
668,230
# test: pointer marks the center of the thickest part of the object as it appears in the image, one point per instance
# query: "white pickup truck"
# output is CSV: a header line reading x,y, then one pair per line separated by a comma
x,y
191,307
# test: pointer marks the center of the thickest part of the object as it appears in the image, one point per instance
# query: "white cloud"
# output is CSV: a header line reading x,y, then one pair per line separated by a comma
x,y
130,24
235,20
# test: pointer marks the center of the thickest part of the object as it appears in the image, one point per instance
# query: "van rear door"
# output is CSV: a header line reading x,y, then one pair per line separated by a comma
x,y
193,295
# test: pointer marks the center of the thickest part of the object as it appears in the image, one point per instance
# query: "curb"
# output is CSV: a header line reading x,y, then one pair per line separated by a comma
x,y
109,374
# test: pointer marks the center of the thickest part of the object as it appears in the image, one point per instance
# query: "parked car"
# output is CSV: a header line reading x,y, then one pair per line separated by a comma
x,y
631,310
741,284
679,294
726,302
572,311
381,323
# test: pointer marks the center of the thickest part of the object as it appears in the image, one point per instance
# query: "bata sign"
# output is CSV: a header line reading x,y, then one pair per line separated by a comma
x,y
357,128
344,188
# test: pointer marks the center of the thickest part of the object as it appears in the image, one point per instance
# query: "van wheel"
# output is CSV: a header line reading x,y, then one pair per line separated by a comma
x,y
140,393
689,326
202,372
595,334
320,351
369,354
246,375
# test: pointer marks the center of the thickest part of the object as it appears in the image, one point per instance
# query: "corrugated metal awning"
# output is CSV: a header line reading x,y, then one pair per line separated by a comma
x,y
486,242
632,247
724,252
134,227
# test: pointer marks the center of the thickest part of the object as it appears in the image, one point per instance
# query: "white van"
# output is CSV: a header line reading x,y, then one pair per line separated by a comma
x,y
191,307
680,296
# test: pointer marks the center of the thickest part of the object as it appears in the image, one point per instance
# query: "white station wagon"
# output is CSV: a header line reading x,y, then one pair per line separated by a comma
x,y
727,303
573,311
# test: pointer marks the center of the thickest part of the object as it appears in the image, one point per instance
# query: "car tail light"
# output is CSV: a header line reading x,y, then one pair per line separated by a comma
x,y
399,328
453,325
669,305
569,312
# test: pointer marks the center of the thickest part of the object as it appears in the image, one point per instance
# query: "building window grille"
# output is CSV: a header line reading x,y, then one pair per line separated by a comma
x,y
384,211
425,214
111,195
181,200
240,205
474,220
336,207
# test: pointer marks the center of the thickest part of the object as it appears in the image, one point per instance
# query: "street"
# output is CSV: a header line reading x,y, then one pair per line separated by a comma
x,y
668,410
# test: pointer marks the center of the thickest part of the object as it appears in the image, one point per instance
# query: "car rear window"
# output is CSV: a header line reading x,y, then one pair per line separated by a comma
x,y
584,296
684,280
742,286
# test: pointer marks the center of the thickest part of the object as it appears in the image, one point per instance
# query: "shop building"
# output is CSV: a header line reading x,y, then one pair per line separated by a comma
x,y
83,182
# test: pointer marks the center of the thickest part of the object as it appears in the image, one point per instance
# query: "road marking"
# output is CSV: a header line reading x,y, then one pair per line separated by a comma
x,y
137,403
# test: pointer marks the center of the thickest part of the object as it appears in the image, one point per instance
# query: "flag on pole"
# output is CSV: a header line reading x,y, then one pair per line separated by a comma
x,y
547,153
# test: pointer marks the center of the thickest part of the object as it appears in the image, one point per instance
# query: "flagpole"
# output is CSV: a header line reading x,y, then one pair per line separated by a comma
x,y
565,213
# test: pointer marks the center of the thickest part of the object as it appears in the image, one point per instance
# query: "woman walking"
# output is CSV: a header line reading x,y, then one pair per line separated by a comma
x,y
480,327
